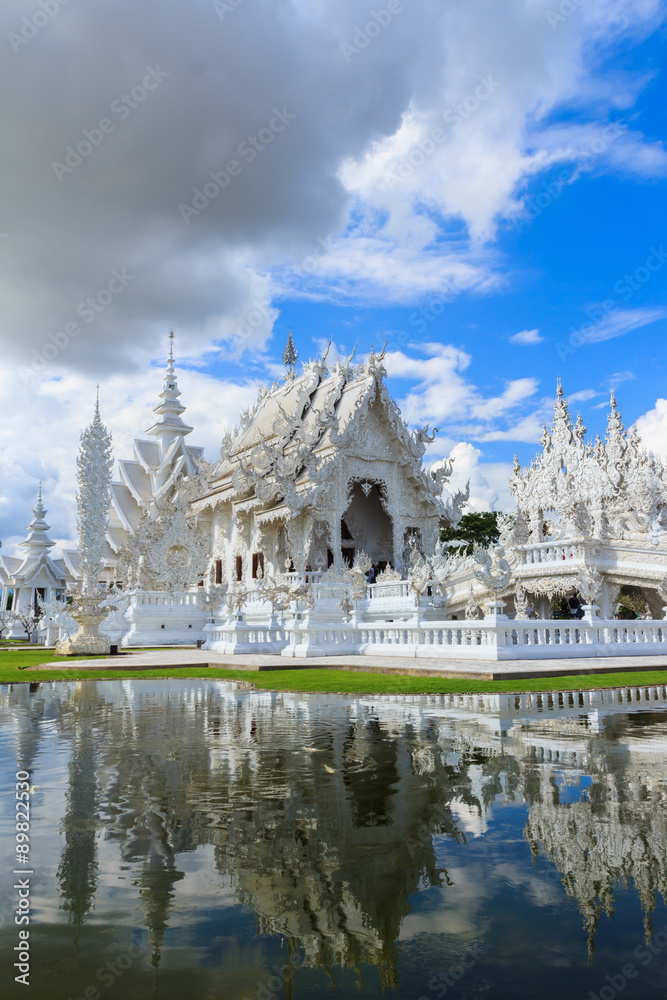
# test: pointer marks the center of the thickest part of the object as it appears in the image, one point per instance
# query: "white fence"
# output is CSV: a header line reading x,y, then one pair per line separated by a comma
x,y
551,552
471,640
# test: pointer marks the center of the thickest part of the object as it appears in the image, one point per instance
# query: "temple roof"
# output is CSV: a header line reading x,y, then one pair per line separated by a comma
x,y
296,428
157,464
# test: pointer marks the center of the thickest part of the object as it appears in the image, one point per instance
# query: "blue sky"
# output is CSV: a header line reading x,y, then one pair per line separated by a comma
x,y
481,183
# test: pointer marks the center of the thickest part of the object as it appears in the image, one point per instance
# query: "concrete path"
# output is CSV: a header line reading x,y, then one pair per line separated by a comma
x,y
480,669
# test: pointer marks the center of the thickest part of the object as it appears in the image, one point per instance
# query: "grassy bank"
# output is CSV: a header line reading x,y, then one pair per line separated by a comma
x,y
319,680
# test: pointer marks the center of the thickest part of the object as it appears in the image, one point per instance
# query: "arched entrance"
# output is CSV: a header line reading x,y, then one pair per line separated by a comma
x,y
366,525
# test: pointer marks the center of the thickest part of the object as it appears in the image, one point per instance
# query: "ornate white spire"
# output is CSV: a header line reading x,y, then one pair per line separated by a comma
x,y
170,424
38,539
290,357
93,472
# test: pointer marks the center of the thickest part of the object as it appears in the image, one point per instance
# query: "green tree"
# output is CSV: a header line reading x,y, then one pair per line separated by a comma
x,y
476,528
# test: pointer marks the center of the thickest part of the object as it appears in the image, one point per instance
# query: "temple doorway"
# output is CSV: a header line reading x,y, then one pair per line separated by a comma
x,y
366,526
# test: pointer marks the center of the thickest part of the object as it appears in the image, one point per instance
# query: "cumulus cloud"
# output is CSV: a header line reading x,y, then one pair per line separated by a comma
x,y
488,480
443,396
526,337
210,156
652,427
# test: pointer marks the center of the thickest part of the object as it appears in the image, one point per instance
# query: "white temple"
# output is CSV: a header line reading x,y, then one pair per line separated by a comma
x,y
37,576
317,531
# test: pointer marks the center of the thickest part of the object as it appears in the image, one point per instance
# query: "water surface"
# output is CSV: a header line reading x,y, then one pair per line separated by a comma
x,y
192,840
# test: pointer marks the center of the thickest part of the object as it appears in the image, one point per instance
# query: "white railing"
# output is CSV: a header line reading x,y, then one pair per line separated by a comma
x,y
482,640
390,588
309,576
164,599
551,552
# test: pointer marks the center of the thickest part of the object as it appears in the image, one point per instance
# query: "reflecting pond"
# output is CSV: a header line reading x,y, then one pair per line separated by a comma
x,y
189,839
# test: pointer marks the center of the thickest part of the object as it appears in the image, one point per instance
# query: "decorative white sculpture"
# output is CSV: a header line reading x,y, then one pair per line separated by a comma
x,y
493,569
237,598
94,465
472,607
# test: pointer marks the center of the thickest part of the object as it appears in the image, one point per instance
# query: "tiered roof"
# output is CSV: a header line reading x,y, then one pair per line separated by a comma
x,y
157,464
289,444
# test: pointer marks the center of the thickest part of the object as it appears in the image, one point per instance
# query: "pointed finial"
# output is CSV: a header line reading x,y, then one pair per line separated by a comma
x,y
38,510
371,357
559,387
290,356
171,346
612,399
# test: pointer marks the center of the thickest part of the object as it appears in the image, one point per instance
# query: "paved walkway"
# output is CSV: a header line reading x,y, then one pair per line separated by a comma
x,y
480,669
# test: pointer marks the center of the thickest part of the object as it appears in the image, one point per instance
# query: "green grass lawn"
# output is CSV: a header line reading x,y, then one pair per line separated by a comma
x,y
317,679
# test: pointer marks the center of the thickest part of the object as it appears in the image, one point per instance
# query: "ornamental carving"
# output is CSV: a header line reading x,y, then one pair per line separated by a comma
x,y
169,552
601,489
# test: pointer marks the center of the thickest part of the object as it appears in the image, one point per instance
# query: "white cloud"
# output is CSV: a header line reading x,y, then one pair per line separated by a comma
x,y
527,429
443,395
618,323
617,377
488,480
652,427
582,396
526,337
357,169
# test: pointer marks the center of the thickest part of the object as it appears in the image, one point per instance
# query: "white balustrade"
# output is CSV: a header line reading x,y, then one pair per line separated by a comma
x,y
550,552
163,599
476,640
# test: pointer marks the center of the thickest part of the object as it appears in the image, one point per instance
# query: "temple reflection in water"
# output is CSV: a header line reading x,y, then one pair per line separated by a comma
x,y
328,818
